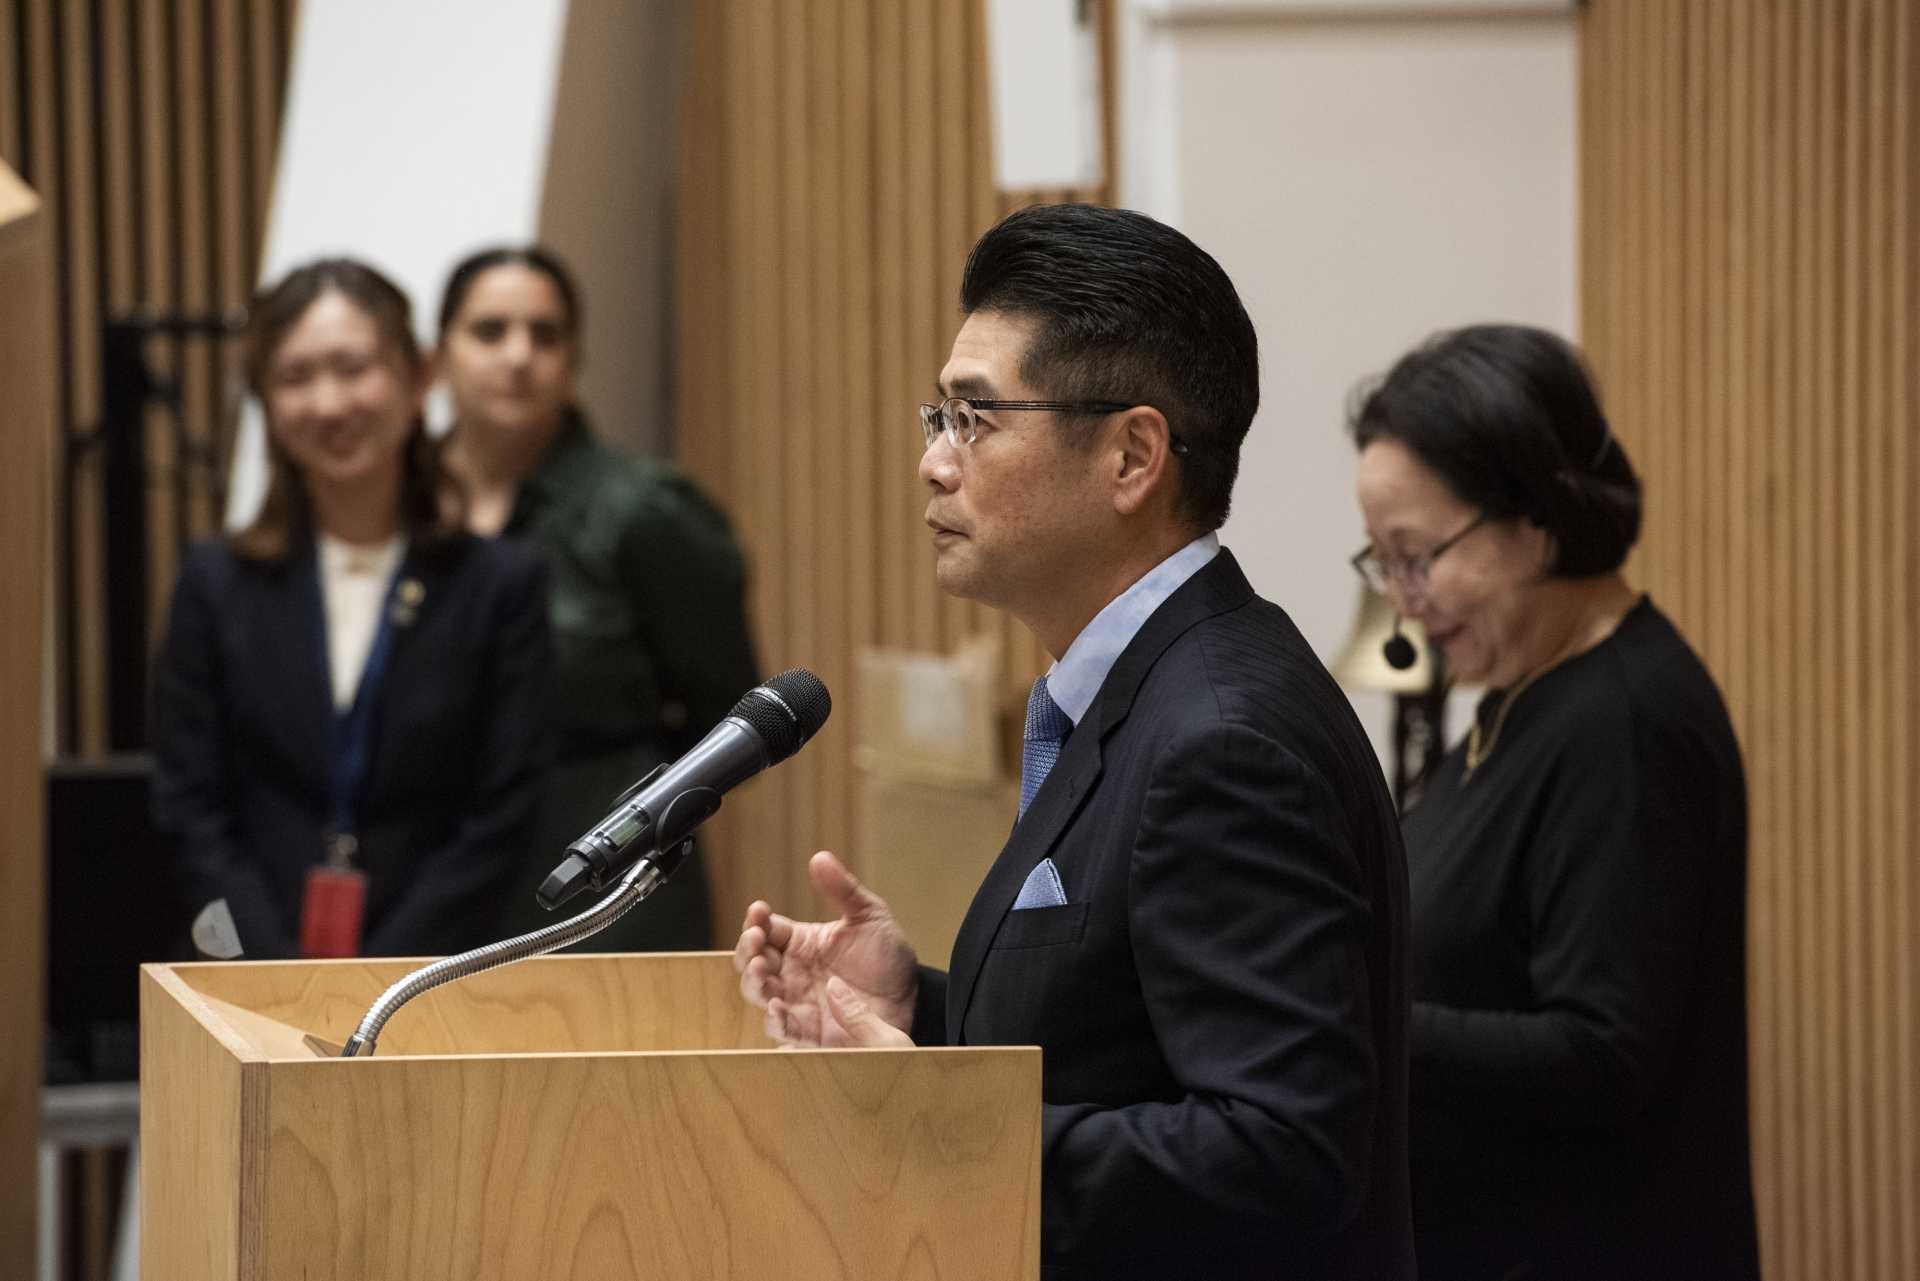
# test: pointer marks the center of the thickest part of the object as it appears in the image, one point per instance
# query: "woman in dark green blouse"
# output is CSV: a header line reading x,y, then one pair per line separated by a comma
x,y
1577,866
651,638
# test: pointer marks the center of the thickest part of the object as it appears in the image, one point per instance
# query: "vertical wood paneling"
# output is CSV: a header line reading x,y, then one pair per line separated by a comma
x,y
931,183
266,61
1903,276
193,236
837,167
952,221
10,63
120,144
829,641
148,129
1748,300
797,270
1773,958
865,425
895,379
162,84
236,240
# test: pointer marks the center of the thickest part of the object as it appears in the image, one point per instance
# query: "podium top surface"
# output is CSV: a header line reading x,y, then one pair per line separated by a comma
x,y
579,1004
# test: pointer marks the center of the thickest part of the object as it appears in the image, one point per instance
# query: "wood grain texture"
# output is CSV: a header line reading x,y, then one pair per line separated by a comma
x,y
1749,290
200,1095
835,1164
520,1130
836,168
607,1002
27,401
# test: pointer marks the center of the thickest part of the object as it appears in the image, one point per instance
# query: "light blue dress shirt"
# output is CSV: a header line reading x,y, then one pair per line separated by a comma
x,y
1082,670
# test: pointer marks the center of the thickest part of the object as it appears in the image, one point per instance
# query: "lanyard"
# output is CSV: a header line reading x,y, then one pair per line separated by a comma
x,y
353,736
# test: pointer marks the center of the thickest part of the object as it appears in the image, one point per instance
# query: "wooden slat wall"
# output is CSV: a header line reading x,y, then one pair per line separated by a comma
x,y
837,168
1749,216
149,128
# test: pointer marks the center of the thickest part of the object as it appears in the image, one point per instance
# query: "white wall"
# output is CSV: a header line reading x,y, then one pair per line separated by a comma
x,y
1366,178
606,203
418,132
413,130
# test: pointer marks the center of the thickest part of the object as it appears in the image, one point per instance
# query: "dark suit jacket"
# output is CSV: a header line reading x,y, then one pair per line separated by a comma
x,y
1221,1004
243,732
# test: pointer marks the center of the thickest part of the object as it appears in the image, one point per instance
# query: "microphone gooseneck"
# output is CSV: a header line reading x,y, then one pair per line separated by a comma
x,y
642,842
644,879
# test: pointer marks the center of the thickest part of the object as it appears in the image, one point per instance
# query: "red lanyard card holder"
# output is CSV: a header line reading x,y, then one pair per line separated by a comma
x,y
334,904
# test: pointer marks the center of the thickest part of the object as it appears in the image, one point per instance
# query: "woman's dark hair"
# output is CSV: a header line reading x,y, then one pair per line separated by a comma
x,y
1507,415
431,500
537,257
1125,308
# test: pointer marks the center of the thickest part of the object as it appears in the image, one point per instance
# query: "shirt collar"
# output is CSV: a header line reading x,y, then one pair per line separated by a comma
x,y
1076,678
339,559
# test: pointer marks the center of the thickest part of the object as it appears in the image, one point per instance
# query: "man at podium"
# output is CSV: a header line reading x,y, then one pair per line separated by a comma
x,y
1200,915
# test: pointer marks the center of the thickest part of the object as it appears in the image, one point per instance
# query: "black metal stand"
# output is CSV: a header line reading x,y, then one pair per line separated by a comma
x,y
1419,736
129,386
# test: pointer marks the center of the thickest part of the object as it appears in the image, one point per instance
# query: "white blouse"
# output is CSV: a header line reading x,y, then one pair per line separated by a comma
x,y
353,586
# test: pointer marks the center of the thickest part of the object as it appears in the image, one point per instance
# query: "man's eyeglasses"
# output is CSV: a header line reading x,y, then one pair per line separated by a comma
x,y
1410,572
959,419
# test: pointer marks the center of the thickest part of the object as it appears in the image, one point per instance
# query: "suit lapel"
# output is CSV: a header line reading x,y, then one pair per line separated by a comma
x,y
1218,587
1054,805
419,590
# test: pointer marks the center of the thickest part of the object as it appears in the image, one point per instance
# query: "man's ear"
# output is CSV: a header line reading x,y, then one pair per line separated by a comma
x,y
1143,459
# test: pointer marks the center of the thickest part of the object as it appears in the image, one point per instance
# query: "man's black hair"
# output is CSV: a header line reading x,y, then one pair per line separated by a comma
x,y
1127,309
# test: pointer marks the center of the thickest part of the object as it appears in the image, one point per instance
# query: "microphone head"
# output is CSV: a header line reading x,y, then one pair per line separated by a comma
x,y
1399,651
786,711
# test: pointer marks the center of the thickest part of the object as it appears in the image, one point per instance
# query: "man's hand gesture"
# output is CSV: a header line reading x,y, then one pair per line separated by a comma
x,y
846,982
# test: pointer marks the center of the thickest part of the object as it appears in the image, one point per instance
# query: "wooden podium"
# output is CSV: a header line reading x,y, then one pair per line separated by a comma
x,y
591,1117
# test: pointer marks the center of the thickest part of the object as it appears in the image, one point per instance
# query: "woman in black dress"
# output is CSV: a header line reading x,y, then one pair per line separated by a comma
x,y
1578,863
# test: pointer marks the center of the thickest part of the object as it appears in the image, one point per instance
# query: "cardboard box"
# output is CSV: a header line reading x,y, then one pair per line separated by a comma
x,y
924,847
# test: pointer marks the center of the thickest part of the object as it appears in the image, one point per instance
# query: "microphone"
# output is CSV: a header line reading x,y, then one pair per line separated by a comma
x,y
770,723
1397,649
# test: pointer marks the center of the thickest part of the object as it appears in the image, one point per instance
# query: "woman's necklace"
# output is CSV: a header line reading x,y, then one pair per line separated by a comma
x,y
1480,746
1601,621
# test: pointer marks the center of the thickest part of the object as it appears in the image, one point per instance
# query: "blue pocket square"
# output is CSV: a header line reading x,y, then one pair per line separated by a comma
x,y
1042,888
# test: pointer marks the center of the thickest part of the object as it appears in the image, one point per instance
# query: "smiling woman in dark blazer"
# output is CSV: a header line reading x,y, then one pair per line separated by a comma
x,y
351,680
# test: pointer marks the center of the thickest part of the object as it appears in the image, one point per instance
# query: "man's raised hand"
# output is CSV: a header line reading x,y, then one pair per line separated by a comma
x,y
785,965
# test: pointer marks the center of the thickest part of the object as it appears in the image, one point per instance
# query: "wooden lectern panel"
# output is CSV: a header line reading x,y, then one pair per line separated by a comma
x,y
681,1166
27,397
197,1098
593,1117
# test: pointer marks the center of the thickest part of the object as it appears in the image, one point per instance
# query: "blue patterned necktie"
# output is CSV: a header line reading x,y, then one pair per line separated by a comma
x,y
1047,730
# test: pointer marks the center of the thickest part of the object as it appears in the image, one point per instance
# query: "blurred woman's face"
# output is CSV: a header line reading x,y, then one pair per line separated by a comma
x,y
508,355
341,400
1479,599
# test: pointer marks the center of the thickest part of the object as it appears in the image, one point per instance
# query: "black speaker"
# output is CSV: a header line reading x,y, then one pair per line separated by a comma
x,y
111,904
